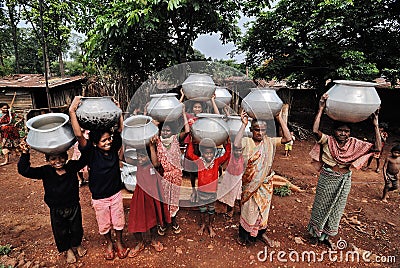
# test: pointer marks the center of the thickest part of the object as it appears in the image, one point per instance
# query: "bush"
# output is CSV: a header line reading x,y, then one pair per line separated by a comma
x,y
283,190
4,250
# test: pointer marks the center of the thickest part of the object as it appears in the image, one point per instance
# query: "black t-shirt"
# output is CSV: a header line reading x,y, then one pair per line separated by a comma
x,y
104,172
60,191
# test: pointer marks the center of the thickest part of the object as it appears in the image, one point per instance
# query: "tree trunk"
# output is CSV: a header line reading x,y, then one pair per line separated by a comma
x,y
61,63
14,29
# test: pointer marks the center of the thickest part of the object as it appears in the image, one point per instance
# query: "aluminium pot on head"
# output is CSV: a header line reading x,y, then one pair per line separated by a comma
x,y
210,127
137,131
50,133
198,87
165,107
352,101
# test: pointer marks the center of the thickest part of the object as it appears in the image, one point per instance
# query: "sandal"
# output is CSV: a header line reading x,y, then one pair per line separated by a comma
x,y
122,253
161,230
157,246
134,252
176,228
109,255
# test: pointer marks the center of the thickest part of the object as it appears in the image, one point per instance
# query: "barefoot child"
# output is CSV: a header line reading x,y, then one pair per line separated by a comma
x,y
105,183
230,188
146,209
207,180
289,145
61,194
169,157
391,171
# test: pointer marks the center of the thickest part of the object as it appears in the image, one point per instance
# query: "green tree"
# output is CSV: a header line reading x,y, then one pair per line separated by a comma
x,y
312,41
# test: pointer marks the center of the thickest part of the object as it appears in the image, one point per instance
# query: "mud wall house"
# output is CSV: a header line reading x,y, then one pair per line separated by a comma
x,y
29,93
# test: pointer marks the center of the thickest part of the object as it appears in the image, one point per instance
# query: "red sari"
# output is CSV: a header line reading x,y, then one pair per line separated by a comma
x,y
146,209
9,133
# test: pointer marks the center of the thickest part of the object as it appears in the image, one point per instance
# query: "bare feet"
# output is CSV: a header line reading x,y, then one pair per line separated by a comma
x,y
201,230
212,233
271,243
81,251
70,256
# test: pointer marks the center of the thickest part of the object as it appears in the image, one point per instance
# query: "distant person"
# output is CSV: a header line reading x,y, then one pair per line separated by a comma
x,y
377,155
8,131
336,153
61,194
289,145
391,170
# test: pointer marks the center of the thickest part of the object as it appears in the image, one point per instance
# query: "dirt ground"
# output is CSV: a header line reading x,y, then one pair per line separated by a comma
x,y
369,227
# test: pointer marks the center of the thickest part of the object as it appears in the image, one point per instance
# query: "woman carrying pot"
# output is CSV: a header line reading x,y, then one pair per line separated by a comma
x,y
9,131
337,153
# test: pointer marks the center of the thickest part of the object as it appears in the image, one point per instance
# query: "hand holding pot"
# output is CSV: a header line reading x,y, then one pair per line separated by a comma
x,y
322,101
75,104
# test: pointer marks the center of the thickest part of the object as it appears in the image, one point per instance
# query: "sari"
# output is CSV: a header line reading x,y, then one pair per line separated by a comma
x,y
9,132
257,188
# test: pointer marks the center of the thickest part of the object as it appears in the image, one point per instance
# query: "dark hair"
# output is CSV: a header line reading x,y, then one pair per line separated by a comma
x,y
395,148
96,134
338,124
4,104
202,148
64,155
202,103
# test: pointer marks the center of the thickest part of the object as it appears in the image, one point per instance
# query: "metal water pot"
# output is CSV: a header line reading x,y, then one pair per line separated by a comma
x,y
352,101
165,107
262,103
222,97
210,126
235,122
138,131
50,133
97,113
200,87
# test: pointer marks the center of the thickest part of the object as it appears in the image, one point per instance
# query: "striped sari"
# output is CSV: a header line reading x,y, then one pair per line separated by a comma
x,y
257,188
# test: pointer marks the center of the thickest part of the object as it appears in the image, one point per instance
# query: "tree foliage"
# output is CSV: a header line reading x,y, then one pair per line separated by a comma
x,y
312,41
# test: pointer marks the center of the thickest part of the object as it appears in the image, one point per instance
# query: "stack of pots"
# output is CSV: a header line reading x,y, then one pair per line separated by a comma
x,y
97,113
50,133
352,101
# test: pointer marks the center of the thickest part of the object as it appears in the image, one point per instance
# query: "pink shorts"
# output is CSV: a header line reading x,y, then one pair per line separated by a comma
x,y
109,213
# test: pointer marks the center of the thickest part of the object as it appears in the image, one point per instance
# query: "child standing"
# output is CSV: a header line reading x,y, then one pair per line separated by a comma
x,y
61,194
230,188
169,156
391,170
104,180
377,155
207,180
289,145
146,208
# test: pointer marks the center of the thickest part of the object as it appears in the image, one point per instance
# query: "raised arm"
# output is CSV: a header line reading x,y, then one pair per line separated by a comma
x,y
74,121
121,118
153,151
286,136
214,105
238,139
186,126
317,120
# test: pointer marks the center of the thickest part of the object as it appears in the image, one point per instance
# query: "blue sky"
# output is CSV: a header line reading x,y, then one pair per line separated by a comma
x,y
211,46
